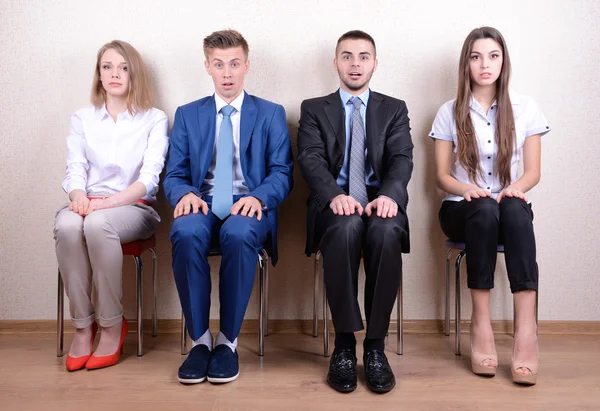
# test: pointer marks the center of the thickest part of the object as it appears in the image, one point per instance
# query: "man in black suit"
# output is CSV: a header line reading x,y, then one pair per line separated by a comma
x,y
355,152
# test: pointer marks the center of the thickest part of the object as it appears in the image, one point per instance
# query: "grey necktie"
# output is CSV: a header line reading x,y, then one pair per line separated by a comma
x,y
356,175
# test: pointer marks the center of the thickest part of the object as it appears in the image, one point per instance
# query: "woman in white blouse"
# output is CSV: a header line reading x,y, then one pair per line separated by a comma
x,y
480,139
116,150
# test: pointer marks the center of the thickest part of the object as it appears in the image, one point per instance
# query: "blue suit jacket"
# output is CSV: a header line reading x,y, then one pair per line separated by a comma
x,y
265,153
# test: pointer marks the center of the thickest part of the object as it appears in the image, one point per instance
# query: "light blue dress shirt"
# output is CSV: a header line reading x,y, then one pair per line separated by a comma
x,y
342,179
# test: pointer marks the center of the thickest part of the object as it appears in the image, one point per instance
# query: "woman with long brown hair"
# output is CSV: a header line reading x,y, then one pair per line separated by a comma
x,y
481,137
116,150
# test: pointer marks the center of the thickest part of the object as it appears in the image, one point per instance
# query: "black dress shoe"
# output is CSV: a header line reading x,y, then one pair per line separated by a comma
x,y
342,371
380,377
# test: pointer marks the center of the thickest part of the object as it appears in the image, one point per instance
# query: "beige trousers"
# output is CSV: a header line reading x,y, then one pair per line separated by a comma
x,y
89,253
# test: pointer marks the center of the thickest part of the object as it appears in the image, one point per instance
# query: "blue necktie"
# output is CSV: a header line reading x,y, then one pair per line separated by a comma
x,y
357,185
223,182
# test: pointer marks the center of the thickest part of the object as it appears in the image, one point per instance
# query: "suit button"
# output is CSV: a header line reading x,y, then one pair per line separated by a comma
x,y
339,167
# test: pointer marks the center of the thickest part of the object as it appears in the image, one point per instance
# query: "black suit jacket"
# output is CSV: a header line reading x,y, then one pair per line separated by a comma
x,y
322,142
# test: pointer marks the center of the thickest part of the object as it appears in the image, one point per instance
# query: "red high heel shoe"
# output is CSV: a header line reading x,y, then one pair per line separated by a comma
x,y
78,363
96,362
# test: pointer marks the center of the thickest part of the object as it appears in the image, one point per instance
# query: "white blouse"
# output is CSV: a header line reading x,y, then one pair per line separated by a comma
x,y
529,121
105,157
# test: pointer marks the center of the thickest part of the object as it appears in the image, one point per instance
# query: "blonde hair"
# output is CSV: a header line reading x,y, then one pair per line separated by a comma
x,y
225,39
139,93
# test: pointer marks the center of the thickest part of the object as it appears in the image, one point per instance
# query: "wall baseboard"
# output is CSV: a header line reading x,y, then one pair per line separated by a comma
x,y
170,326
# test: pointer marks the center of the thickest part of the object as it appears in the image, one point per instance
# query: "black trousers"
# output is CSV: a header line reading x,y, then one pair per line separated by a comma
x,y
342,241
482,224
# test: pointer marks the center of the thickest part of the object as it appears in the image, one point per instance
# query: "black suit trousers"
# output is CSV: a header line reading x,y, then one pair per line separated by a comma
x,y
482,224
343,239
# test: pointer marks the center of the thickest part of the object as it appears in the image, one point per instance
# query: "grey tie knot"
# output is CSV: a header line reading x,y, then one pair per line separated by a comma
x,y
227,110
357,102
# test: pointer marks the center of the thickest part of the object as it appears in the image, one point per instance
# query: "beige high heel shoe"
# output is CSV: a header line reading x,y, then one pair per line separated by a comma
x,y
477,361
533,367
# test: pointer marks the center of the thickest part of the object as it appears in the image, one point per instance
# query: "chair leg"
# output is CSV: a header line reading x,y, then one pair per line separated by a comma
x,y
325,320
154,293
60,318
140,304
261,309
400,320
316,295
457,320
265,266
447,305
183,335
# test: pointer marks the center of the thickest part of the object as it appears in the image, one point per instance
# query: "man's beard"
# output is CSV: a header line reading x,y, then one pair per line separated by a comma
x,y
353,87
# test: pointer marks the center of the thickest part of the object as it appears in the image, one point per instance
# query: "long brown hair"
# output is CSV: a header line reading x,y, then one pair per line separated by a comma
x,y
467,147
139,94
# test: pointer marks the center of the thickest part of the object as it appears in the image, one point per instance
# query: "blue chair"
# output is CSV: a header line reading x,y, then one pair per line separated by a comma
x,y
460,247
263,301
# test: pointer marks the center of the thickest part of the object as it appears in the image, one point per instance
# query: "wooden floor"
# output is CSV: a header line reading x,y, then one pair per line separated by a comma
x,y
291,376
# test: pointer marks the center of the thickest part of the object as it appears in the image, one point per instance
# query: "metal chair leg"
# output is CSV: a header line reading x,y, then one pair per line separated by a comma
x,y
261,309
140,305
183,335
316,295
457,302
265,268
400,320
447,305
60,318
325,320
154,293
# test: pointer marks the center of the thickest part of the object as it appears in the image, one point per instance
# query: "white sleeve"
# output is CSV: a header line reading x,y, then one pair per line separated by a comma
x,y
155,153
77,163
442,125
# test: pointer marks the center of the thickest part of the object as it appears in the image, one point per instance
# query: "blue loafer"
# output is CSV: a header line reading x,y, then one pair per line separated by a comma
x,y
195,367
223,366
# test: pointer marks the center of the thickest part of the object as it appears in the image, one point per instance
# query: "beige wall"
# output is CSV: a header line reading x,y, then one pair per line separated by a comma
x,y
47,56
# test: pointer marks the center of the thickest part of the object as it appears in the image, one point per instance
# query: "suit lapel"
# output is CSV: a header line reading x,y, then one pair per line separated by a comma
x,y
247,122
375,117
335,115
207,114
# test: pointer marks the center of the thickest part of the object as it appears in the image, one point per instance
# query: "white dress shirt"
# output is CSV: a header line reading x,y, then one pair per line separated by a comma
x,y
105,157
239,183
529,121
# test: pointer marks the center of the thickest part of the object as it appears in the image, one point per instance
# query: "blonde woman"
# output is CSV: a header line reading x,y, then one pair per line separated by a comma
x,y
116,150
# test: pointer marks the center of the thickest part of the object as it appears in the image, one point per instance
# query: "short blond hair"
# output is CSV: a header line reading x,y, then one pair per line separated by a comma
x,y
225,39
139,94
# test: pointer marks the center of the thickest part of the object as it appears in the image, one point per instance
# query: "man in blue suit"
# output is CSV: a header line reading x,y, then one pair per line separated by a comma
x,y
229,168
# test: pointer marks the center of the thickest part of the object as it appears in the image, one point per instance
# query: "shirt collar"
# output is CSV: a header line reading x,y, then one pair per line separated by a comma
x,y
364,96
514,100
236,104
102,113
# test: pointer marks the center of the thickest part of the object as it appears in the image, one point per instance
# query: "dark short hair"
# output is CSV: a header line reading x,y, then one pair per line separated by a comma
x,y
225,39
356,35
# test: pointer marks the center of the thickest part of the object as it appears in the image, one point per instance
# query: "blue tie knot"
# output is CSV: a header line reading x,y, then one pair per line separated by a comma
x,y
227,110
356,101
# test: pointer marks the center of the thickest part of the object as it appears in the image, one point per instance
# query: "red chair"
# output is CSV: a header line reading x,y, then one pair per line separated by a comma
x,y
134,249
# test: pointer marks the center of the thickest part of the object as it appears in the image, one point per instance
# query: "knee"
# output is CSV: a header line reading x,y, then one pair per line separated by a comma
x,y
514,211
186,230
388,230
67,226
485,213
96,224
347,227
238,230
